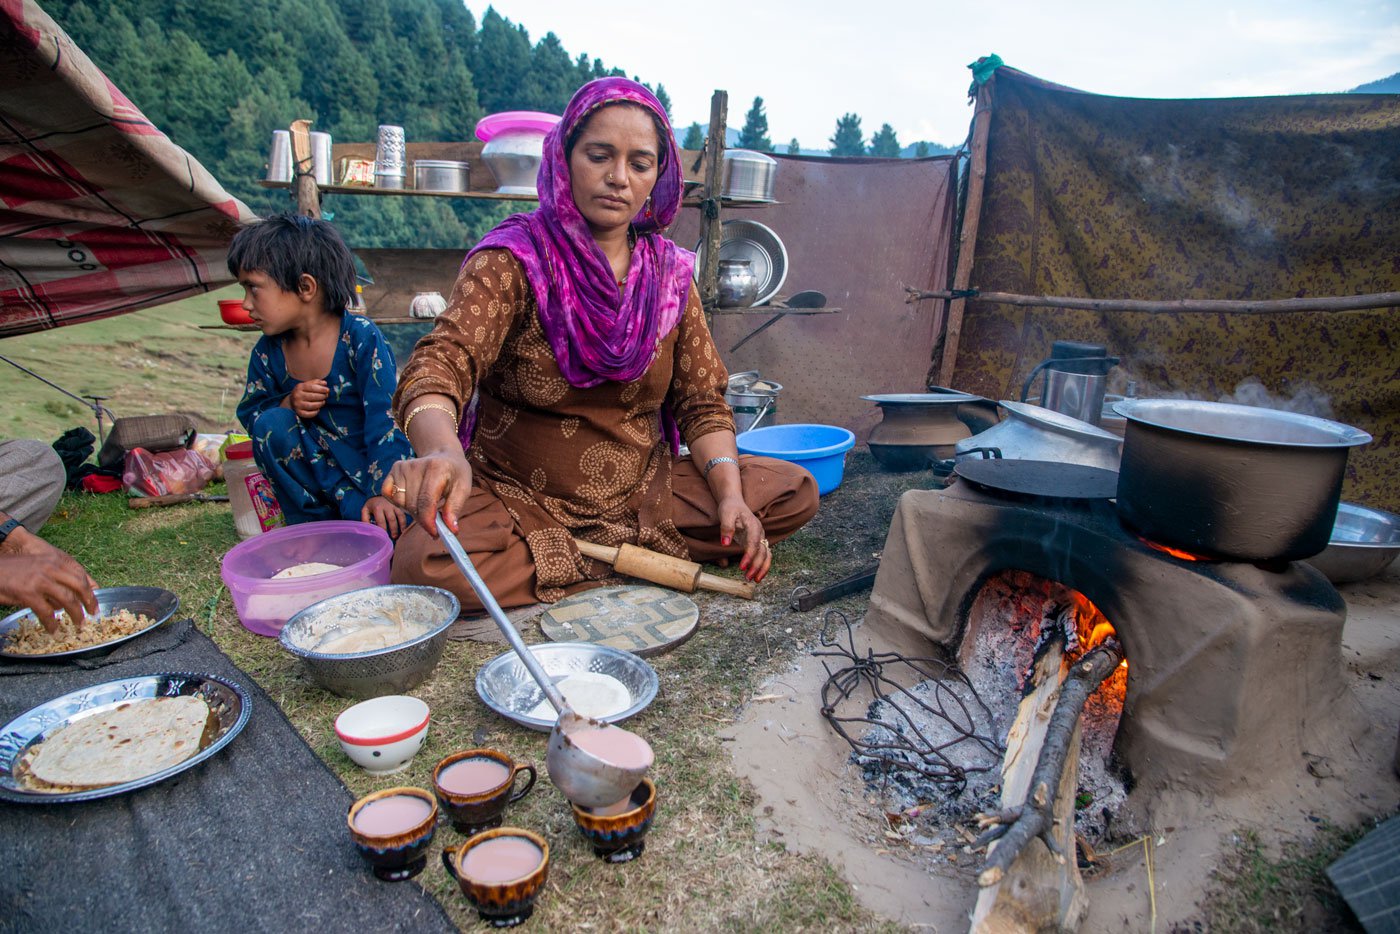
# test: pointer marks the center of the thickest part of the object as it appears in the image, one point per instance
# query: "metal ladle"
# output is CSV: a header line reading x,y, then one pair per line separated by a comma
x,y
584,778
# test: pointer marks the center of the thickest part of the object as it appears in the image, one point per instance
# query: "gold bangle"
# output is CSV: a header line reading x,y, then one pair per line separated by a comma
x,y
408,419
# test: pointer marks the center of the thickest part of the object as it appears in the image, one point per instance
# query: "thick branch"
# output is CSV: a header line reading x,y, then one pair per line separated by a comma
x,y
1036,815
1189,305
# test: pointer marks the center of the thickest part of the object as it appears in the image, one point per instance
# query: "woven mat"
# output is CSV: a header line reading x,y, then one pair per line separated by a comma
x,y
253,839
640,619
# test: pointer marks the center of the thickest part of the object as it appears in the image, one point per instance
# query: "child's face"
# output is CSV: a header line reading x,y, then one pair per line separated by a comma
x,y
273,309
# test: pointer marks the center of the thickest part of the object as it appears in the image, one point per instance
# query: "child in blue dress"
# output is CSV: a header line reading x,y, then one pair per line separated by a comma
x,y
320,379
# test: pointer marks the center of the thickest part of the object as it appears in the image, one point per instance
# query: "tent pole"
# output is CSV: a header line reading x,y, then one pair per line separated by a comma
x,y
303,171
977,174
710,229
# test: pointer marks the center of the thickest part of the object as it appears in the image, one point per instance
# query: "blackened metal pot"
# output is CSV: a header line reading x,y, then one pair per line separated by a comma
x,y
1235,482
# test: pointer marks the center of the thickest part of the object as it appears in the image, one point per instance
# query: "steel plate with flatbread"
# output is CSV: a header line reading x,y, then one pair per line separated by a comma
x,y
638,619
229,702
1040,478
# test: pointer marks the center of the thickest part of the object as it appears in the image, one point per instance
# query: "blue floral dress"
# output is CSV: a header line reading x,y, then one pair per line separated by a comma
x,y
328,466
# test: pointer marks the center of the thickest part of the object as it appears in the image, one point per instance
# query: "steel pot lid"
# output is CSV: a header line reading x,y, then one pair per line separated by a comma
x,y
1051,479
1246,424
1057,421
921,398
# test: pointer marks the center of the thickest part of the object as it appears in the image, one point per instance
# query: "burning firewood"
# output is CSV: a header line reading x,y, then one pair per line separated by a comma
x,y
1028,885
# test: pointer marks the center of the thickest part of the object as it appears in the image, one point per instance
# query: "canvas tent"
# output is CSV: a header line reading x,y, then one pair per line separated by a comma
x,y
1259,198
100,213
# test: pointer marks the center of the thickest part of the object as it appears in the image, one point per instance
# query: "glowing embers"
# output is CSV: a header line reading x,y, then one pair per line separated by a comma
x,y
1091,628
1174,552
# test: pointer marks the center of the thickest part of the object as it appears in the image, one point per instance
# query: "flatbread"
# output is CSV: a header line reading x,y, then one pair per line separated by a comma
x,y
123,744
306,569
590,693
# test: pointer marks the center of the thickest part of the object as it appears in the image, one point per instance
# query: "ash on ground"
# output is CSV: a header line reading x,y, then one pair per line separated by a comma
x,y
963,725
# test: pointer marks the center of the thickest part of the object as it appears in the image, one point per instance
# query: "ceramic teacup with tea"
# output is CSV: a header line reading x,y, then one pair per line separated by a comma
x,y
475,786
618,831
500,872
392,830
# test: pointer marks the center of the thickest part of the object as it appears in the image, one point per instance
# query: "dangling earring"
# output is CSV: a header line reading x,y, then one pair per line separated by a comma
x,y
647,214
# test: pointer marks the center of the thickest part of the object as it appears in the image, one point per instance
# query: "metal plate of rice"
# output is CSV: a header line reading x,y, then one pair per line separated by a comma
x,y
507,688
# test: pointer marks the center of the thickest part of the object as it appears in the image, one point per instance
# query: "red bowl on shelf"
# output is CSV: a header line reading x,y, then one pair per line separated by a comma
x,y
231,310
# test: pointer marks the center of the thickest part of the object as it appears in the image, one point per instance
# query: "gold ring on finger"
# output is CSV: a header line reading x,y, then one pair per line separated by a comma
x,y
763,542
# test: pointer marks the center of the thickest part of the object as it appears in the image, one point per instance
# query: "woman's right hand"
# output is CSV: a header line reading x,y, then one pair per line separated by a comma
x,y
440,480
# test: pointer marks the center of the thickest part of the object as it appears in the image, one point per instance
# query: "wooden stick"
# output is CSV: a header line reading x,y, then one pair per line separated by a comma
x,y
303,171
666,570
1190,305
967,241
710,228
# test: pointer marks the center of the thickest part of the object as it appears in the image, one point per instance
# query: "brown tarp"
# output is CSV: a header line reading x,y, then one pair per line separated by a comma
x,y
1257,198
100,213
859,230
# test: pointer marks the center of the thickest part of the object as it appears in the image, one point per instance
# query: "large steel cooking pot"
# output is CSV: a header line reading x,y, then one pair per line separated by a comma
x,y
1231,481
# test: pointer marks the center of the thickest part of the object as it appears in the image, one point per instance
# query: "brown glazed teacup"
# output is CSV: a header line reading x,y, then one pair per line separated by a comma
x,y
481,810
401,854
620,837
502,902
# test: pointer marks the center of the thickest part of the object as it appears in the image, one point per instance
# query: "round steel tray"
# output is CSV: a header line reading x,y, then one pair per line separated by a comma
x,y
229,701
507,688
156,603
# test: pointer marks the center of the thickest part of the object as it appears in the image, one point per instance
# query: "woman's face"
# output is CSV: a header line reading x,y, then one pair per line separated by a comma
x,y
613,166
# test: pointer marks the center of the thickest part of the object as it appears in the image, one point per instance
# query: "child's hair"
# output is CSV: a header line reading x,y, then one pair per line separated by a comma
x,y
285,246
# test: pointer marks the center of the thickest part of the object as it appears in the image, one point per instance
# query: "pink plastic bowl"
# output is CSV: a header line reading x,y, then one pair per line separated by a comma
x,y
515,121
264,605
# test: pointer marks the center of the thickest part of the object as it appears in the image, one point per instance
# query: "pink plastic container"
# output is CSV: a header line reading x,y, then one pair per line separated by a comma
x,y
264,605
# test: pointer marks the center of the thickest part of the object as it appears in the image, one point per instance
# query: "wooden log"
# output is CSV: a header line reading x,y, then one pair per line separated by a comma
x,y
1038,889
1188,305
1031,878
666,570
967,240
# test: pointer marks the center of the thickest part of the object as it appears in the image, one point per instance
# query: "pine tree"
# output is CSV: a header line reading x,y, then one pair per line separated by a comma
x,y
793,149
884,143
694,137
921,150
665,100
754,135
848,139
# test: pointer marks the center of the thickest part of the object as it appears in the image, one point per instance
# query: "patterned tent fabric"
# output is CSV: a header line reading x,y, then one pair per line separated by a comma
x,y
100,213
1259,198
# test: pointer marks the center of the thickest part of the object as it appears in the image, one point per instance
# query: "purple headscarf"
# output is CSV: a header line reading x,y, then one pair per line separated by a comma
x,y
598,332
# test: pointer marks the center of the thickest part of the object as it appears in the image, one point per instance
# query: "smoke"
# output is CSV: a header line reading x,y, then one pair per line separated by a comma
x,y
1306,398
1303,399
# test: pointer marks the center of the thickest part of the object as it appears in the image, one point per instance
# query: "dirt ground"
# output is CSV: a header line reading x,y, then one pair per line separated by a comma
x,y
812,799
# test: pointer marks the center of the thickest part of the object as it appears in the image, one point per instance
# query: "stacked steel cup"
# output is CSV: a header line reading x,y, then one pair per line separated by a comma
x,y
389,158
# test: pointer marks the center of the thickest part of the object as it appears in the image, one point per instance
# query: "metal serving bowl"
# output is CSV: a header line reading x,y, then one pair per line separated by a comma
x,y
507,688
1364,542
391,670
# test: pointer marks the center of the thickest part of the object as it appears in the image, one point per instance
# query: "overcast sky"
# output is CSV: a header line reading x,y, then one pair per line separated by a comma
x,y
904,62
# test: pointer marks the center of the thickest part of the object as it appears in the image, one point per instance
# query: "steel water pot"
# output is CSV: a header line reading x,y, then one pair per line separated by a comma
x,y
1232,482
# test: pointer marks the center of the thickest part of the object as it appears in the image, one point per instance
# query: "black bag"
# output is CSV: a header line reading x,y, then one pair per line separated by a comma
x,y
74,447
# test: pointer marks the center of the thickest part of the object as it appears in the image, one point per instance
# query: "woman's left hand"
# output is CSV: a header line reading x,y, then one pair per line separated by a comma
x,y
737,521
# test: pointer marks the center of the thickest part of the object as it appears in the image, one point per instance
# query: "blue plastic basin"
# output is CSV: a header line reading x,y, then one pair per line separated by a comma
x,y
821,449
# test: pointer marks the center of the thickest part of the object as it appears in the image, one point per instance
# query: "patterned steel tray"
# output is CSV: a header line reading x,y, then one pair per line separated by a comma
x,y
229,701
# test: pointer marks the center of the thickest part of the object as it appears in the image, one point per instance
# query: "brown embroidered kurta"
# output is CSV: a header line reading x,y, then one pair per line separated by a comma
x,y
565,461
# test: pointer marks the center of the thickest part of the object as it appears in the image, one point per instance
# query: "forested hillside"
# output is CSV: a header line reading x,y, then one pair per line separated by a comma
x,y
218,76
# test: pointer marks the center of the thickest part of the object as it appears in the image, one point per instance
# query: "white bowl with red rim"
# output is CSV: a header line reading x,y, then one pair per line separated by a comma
x,y
383,734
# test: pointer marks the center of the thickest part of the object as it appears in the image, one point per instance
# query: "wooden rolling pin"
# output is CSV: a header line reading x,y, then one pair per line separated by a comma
x,y
665,570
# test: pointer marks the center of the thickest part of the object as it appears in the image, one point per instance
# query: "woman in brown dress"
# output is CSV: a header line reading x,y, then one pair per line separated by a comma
x,y
550,399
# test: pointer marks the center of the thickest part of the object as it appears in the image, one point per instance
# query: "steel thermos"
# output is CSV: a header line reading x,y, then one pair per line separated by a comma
x,y
1075,377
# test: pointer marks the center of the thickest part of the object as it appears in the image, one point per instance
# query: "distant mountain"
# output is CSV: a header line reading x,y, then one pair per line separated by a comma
x,y
1389,85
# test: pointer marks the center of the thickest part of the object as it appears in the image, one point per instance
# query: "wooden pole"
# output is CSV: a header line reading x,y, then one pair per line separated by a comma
x,y
972,213
303,170
1189,305
710,228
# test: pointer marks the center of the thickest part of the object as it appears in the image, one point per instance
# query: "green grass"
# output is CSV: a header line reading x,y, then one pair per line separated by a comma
x,y
1256,890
